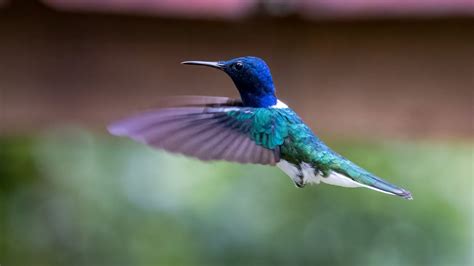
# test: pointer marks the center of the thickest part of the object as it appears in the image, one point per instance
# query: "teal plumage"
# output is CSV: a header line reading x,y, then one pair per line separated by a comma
x,y
282,127
269,128
256,129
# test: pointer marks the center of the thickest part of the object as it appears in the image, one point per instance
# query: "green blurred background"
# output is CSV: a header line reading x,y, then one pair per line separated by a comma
x,y
389,87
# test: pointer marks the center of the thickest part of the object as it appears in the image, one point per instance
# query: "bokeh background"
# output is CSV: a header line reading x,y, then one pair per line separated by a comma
x,y
388,84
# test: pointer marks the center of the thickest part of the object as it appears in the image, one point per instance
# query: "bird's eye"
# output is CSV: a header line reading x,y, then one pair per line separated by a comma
x,y
238,65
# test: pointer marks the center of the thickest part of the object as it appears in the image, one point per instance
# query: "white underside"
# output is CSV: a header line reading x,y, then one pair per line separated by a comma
x,y
279,105
309,176
340,180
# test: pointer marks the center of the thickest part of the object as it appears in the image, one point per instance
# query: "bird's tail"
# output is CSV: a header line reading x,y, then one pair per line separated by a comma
x,y
368,180
381,185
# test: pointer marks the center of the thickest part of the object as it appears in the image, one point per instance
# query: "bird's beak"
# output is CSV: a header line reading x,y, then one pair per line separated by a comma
x,y
218,65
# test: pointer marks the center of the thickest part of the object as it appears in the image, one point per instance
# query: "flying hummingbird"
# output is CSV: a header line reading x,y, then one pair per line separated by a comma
x,y
258,128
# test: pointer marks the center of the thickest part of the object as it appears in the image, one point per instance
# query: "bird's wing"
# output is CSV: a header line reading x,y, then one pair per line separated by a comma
x,y
209,128
198,101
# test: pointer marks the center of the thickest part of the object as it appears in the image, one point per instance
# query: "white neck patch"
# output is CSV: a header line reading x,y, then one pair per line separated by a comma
x,y
279,105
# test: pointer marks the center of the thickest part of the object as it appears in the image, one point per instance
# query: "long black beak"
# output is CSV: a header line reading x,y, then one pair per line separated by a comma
x,y
217,65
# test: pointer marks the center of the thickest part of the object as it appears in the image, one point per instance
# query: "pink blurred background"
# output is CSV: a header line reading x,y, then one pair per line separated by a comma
x,y
310,8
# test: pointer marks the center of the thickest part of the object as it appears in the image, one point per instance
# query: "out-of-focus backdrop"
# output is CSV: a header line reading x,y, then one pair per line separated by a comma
x,y
388,84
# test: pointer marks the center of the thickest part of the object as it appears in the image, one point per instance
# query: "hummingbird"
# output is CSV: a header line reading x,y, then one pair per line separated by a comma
x,y
258,128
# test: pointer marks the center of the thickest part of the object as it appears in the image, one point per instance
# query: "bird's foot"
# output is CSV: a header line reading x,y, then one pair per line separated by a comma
x,y
299,181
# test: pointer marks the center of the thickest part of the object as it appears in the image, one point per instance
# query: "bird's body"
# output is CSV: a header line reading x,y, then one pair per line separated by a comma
x,y
259,129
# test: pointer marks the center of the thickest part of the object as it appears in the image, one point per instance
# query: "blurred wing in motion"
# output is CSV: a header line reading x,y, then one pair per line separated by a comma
x,y
208,128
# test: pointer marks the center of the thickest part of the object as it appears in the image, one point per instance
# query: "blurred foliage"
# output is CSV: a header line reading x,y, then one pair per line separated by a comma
x,y
75,198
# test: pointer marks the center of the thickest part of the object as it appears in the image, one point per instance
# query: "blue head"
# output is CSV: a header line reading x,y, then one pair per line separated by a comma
x,y
251,76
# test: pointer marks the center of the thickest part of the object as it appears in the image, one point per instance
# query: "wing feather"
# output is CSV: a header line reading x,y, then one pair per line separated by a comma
x,y
200,127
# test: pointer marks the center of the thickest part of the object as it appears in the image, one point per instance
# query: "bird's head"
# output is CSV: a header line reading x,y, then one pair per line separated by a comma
x,y
251,76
